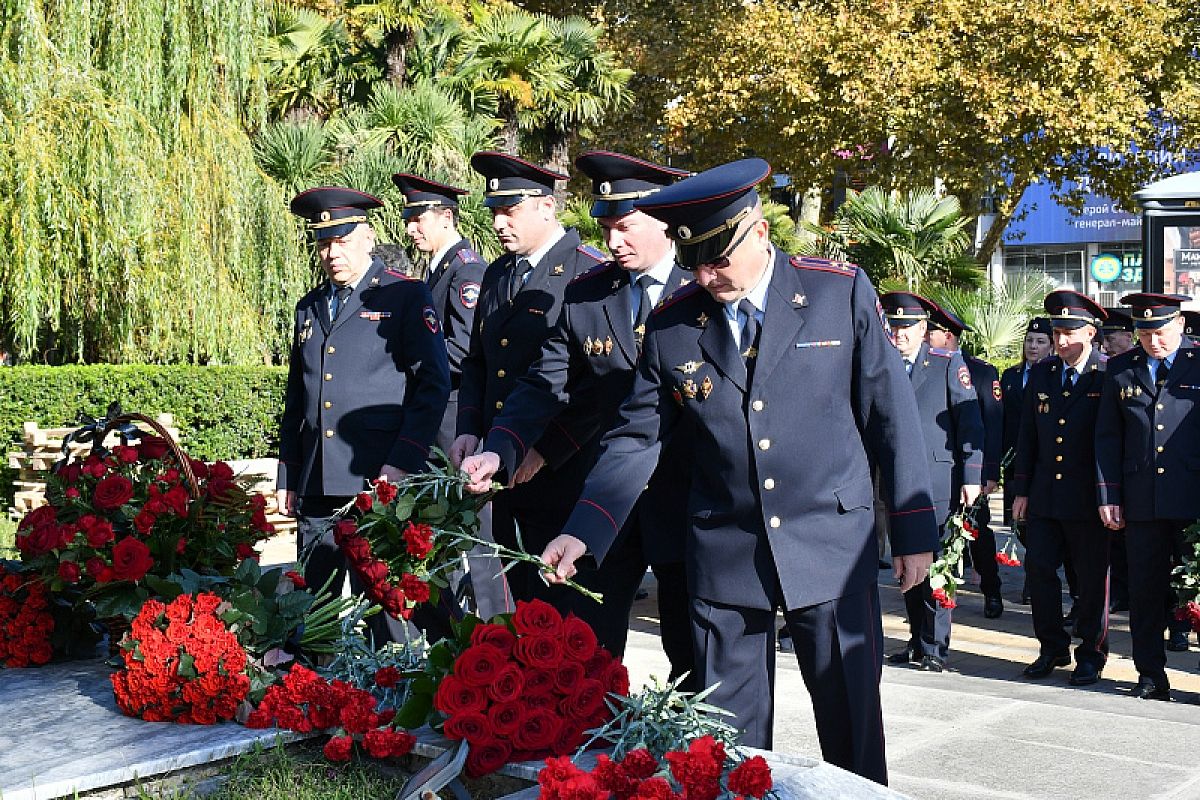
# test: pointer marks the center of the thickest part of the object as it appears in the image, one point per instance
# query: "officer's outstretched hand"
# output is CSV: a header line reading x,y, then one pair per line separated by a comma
x,y
1020,507
530,466
562,553
480,469
285,502
910,570
462,447
1112,517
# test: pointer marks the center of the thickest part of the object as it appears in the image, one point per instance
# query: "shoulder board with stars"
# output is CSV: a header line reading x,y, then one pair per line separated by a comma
x,y
683,292
468,256
938,351
590,252
825,265
397,274
592,272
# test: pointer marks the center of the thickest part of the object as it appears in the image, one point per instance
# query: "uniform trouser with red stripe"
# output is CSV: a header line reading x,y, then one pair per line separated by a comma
x,y
1152,549
839,645
1048,543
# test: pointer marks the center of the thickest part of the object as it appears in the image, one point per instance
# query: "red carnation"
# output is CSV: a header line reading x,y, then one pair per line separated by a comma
x,y
419,539
537,616
131,559
385,491
640,763
113,491
296,578
363,502
338,748
373,571
387,677
396,604
416,589
655,789
752,777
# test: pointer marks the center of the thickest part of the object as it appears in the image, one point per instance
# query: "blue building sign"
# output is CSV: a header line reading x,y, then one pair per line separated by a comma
x,y
1040,220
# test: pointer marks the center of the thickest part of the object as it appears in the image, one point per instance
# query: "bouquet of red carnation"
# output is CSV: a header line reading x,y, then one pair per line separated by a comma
x,y
26,623
305,702
705,771
181,663
517,688
404,539
115,517
1185,579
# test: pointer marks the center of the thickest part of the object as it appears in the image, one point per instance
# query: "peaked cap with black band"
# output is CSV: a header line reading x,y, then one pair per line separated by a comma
x,y
511,180
333,211
1071,310
903,309
422,194
1151,310
947,320
703,212
1116,321
618,180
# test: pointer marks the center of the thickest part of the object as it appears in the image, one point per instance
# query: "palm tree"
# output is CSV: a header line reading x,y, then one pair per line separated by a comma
x,y
997,313
914,238
294,154
392,24
299,56
511,54
595,87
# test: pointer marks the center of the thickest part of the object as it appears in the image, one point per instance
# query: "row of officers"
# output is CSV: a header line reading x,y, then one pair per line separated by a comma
x,y
699,402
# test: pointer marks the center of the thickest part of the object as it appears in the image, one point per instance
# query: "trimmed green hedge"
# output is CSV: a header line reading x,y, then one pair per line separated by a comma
x,y
221,412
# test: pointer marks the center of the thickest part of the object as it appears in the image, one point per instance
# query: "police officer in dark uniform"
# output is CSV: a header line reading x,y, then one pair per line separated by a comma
x,y
519,303
1117,333
367,381
1052,483
953,441
784,368
589,360
945,332
1147,437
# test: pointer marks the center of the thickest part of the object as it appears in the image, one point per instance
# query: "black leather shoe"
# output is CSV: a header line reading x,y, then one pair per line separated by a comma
x,y
1044,665
1149,689
909,655
932,664
993,606
1085,674
1177,642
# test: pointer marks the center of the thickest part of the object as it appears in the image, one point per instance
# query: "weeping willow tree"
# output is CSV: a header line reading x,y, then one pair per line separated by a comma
x,y
135,223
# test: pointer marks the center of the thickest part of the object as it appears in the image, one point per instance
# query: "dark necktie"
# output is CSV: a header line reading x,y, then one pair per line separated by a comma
x,y
749,332
1161,373
908,365
340,295
518,276
642,291
1069,377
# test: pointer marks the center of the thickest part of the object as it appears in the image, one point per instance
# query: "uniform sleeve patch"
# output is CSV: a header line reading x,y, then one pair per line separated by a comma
x,y
431,319
996,393
468,294
964,377
469,256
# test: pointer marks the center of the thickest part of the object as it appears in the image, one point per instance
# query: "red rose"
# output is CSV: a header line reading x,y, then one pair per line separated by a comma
x,y
99,533
454,696
505,717
244,550
99,570
751,777
68,571
144,521
507,684
219,488
537,616
385,491
419,539
72,493
469,725
42,515
615,679
113,491
357,549
221,470
363,502
396,604
131,559
338,748
479,665
497,636
537,731
584,701
539,651
343,530
538,682
416,589
374,571
152,447
567,676
487,757
199,468
70,473
387,677
177,498
579,640
126,454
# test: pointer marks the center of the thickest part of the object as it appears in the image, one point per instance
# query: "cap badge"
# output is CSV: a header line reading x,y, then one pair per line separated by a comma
x,y
684,232
605,188
324,216
494,184
1147,313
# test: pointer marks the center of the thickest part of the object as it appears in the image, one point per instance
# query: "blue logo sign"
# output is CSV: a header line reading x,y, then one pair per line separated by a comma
x,y
1106,267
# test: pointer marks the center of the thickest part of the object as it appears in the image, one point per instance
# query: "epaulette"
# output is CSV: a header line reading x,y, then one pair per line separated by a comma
x,y
591,252
825,265
941,351
397,274
1103,358
468,256
685,291
592,272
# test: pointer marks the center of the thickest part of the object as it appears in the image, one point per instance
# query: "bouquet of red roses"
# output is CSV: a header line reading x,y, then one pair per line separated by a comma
x,y
705,771
305,702
181,663
113,518
26,623
517,688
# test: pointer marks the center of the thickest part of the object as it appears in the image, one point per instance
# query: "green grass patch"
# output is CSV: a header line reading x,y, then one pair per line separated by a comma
x,y
8,537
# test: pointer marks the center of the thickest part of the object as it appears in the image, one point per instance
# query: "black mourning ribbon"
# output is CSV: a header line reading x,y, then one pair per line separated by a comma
x,y
92,430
